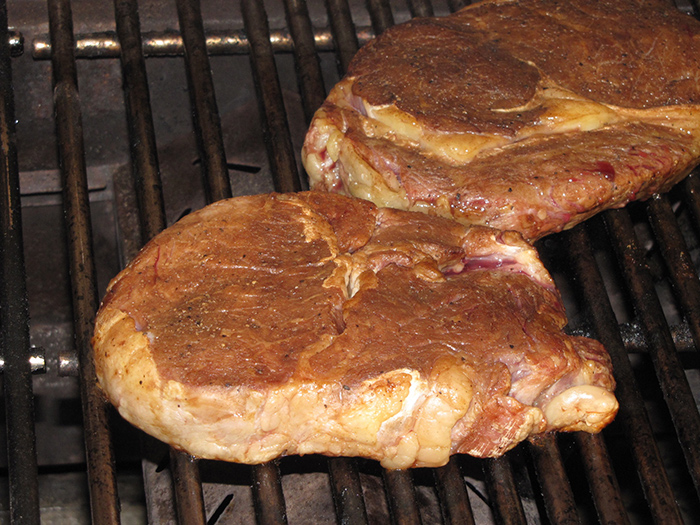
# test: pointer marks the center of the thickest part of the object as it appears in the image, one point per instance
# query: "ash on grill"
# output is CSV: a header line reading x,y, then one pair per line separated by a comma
x,y
87,120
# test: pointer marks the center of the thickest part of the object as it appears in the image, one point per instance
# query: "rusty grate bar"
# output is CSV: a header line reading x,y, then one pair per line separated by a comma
x,y
347,491
669,370
381,15
14,312
691,194
278,141
270,508
189,501
344,35
401,497
503,493
601,479
267,484
142,142
420,8
555,486
71,150
452,494
310,77
207,122
681,268
633,416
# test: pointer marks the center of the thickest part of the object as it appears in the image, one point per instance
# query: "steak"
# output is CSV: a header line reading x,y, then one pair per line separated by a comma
x,y
317,323
528,115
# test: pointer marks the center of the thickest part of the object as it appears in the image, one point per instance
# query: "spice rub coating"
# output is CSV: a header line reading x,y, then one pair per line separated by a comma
x,y
529,115
318,323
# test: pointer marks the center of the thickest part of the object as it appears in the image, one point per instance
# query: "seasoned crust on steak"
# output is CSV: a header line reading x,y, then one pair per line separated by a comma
x,y
528,115
317,323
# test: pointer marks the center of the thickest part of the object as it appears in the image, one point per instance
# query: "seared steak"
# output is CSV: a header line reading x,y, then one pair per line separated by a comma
x,y
317,323
530,115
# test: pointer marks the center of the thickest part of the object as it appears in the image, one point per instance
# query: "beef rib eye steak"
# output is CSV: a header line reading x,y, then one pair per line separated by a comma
x,y
528,115
318,323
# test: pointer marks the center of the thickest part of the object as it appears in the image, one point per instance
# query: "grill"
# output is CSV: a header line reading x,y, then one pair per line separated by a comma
x,y
182,103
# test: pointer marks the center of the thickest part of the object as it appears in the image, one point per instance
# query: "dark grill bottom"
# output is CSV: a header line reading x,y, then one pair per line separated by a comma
x,y
201,136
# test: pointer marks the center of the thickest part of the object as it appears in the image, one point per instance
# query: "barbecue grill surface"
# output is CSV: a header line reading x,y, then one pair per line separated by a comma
x,y
144,141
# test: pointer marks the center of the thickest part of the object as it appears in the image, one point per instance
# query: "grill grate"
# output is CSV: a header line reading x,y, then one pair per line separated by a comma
x,y
638,429
561,479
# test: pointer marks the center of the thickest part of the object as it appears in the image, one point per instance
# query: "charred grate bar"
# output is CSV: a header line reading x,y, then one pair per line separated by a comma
x,y
99,451
637,426
669,370
14,320
563,479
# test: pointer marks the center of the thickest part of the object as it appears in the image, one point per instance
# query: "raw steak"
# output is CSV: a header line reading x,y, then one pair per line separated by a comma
x,y
317,323
528,115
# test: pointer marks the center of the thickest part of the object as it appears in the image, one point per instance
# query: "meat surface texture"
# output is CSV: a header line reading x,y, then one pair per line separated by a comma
x,y
317,323
528,115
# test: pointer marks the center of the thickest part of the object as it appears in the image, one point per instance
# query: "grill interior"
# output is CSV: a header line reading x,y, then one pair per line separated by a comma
x,y
118,120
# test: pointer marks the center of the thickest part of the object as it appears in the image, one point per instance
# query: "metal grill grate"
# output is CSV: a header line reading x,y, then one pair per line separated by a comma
x,y
616,272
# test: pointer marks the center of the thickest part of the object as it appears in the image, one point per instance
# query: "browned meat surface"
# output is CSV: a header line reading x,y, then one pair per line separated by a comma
x,y
317,323
529,115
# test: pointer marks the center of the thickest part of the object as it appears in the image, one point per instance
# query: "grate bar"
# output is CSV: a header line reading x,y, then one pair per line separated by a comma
x,y
347,491
207,122
142,142
420,8
381,15
669,370
268,499
503,493
681,268
555,486
346,39
168,43
14,312
401,496
278,140
308,67
601,478
99,454
452,492
189,501
691,194
633,415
